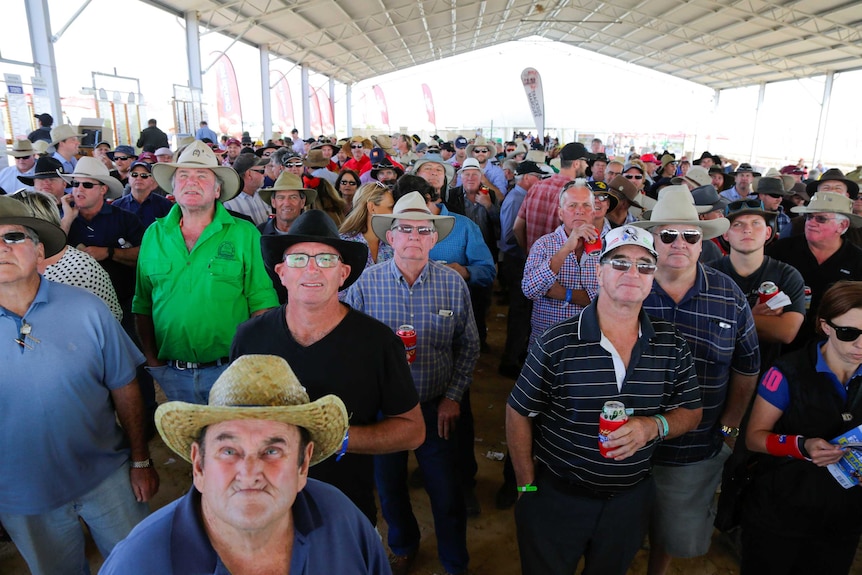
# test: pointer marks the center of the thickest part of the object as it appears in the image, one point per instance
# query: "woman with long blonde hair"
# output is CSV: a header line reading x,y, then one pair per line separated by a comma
x,y
370,199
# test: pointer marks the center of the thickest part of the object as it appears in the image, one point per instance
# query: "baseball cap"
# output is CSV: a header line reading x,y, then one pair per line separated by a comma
x,y
530,167
627,235
575,151
460,142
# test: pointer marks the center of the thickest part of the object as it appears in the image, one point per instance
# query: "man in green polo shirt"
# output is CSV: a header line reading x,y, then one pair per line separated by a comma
x,y
200,274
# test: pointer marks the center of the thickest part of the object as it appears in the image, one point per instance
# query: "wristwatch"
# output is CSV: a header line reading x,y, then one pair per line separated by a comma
x,y
145,464
728,431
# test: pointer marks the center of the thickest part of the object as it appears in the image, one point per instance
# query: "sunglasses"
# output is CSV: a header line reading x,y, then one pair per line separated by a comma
x,y
634,176
421,230
644,268
261,171
356,146
843,333
17,238
293,165
266,155
142,175
301,260
600,197
819,218
347,183
690,236
23,158
122,158
747,204
480,150
85,185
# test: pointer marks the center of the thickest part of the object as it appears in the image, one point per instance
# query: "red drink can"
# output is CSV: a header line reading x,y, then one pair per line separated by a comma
x,y
767,291
612,417
407,333
596,244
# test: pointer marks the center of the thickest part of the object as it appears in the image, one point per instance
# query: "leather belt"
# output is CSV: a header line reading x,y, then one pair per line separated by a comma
x,y
184,365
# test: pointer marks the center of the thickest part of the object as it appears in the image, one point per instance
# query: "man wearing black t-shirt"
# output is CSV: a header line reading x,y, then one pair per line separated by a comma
x,y
334,349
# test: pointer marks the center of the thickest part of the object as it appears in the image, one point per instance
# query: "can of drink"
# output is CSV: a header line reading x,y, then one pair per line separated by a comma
x,y
594,245
613,417
407,333
807,297
766,291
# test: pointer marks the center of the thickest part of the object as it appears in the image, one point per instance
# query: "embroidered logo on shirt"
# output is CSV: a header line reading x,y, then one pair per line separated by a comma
x,y
226,251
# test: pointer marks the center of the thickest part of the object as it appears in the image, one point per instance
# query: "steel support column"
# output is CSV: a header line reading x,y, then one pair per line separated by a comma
x,y
265,92
44,63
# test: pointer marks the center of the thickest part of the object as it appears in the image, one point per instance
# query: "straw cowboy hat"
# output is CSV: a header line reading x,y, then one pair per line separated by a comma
x,y
288,181
385,142
257,387
198,155
366,143
676,206
92,168
411,207
316,227
15,213
481,142
830,202
63,132
21,149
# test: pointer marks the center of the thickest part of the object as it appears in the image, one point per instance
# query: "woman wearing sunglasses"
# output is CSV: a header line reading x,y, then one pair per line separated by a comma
x,y
797,518
347,185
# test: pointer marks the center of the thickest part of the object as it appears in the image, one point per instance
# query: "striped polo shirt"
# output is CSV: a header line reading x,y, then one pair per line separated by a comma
x,y
716,321
569,376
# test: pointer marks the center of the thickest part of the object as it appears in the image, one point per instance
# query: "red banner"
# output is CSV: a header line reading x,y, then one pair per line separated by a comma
x,y
327,120
429,105
381,104
284,121
314,108
227,98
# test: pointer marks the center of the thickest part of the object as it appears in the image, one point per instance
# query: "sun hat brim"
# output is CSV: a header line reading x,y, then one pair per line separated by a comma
x,y
354,254
711,228
163,172
380,223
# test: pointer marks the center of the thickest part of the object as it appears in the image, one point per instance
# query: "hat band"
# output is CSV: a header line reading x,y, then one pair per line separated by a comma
x,y
419,210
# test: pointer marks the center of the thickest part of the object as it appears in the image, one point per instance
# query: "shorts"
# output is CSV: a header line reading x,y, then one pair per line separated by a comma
x,y
684,509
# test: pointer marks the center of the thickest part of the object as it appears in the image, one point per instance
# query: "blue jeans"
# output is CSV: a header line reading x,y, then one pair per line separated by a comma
x,y
52,543
189,385
436,457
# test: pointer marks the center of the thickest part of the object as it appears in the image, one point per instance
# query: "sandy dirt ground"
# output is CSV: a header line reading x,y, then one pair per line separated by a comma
x,y
491,536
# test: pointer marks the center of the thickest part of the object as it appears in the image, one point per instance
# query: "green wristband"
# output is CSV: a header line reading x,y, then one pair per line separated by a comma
x,y
528,488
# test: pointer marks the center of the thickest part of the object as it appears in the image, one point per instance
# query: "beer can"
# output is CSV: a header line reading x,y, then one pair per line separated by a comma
x,y
594,245
807,297
612,417
407,333
766,291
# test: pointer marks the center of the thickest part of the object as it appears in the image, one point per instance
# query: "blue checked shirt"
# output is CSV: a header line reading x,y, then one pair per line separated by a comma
x,y
464,245
438,306
716,321
538,279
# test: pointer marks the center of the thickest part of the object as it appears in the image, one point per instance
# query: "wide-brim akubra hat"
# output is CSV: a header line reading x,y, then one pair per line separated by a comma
x,y
366,143
256,387
288,181
705,198
833,175
317,227
433,158
268,146
385,143
315,159
63,132
715,159
830,202
771,185
46,167
21,149
89,167
387,165
676,206
411,206
625,189
481,142
15,213
198,155
321,145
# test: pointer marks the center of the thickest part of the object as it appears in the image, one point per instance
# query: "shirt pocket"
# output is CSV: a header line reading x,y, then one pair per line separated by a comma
x,y
226,278
442,330
721,341
155,269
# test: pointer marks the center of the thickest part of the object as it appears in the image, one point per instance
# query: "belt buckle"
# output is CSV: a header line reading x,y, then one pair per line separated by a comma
x,y
184,365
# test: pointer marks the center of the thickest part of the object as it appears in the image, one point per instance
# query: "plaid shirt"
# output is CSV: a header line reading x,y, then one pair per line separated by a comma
x,y
715,319
541,208
538,279
438,306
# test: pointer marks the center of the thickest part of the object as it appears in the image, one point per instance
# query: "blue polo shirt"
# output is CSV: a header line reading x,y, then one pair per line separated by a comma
x,y
464,245
568,377
331,536
58,433
155,206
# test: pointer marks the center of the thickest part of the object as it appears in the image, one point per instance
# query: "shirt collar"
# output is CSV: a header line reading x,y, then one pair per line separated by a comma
x,y
822,367
701,285
399,277
40,297
589,330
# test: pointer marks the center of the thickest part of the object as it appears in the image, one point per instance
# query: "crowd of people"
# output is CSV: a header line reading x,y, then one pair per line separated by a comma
x,y
313,310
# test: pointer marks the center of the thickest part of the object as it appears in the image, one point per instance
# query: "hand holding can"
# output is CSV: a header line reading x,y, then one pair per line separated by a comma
x,y
612,417
407,333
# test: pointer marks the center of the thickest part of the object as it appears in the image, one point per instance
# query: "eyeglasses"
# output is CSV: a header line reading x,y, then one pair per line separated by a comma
x,y
356,146
669,236
85,185
612,173
480,150
142,175
620,265
301,260
845,333
634,176
293,165
601,197
819,218
747,204
347,183
23,158
122,158
421,230
260,171
266,155
14,237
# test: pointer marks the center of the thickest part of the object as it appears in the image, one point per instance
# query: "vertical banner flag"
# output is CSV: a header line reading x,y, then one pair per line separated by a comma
x,y
314,108
16,102
429,105
284,121
327,119
533,87
381,104
227,98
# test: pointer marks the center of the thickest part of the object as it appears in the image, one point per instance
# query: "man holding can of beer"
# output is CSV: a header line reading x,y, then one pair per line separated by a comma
x,y
610,362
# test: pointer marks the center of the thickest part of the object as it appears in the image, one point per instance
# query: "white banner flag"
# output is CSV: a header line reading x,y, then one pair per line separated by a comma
x,y
533,87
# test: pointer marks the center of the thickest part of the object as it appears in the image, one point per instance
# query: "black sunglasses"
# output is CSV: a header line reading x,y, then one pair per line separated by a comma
x,y
844,333
122,158
634,176
480,150
819,218
14,237
85,185
142,175
669,236
747,204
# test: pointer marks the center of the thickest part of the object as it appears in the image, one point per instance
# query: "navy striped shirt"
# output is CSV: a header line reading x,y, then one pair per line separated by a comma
x,y
715,319
569,376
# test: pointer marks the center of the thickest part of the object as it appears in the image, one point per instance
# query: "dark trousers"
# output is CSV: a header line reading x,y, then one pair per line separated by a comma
x,y
465,439
436,458
520,309
480,298
145,380
765,553
557,527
